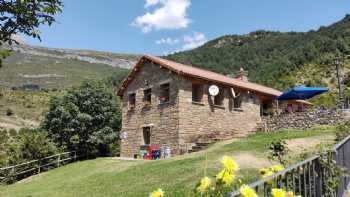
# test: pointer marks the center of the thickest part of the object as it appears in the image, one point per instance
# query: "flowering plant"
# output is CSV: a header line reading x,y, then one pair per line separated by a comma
x,y
157,193
224,182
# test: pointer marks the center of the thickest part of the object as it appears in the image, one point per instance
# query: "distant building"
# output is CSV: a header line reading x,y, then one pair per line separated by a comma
x,y
168,104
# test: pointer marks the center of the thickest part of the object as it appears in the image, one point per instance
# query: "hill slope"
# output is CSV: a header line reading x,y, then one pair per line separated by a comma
x,y
176,176
59,68
279,60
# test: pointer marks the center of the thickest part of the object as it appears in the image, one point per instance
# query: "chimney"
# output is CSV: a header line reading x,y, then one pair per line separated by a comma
x,y
242,75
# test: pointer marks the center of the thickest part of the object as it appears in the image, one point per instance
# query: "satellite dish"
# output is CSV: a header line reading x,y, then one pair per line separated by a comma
x,y
213,90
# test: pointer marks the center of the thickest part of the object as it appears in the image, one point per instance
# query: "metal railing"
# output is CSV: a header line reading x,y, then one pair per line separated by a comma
x,y
23,170
342,157
306,178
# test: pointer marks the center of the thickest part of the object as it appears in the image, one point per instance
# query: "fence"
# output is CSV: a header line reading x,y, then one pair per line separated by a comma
x,y
24,170
307,177
342,157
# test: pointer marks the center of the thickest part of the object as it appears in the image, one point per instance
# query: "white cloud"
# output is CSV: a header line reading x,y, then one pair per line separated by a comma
x,y
193,41
168,41
184,43
172,14
150,3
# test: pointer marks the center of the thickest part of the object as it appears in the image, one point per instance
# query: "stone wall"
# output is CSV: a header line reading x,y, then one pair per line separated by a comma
x,y
163,118
181,122
301,120
203,122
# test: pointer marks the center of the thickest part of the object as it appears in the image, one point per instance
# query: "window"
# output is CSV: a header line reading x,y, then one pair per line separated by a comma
x,y
132,101
164,93
237,101
219,99
146,135
197,92
147,97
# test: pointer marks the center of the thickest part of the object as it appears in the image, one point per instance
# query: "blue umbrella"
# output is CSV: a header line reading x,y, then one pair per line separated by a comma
x,y
302,93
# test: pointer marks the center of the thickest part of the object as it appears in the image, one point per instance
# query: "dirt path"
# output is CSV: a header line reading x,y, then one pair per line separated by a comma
x,y
297,146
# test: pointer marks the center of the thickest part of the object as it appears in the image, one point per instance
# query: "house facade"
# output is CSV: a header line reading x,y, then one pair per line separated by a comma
x,y
168,104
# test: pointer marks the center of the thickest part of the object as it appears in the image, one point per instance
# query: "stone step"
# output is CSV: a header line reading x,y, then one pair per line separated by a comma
x,y
199,146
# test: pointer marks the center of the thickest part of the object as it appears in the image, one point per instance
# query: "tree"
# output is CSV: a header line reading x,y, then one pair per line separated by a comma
x,y
25,17
29,144
86,119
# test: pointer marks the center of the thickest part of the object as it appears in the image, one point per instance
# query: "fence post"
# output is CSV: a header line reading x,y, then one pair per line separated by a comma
x,y
39,165
58,160
319,177
75,156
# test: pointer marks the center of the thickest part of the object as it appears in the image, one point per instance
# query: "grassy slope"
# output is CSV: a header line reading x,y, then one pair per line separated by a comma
x,y
70,72
177,176
26,106
48,73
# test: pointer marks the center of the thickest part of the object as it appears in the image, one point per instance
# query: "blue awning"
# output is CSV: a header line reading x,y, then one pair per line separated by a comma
x,y
302,93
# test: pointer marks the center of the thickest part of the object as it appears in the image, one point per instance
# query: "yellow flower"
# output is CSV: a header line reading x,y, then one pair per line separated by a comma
x,y
246,191
277,168
264,171
204,186
291,194
279,193
267,173
157,193
229,164
225,176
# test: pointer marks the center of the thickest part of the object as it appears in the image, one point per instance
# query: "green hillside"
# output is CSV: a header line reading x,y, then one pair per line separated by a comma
x,y
176,176
59,68
277,59
51,70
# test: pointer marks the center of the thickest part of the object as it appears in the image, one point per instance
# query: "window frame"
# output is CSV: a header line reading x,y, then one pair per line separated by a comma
x,y
147,96
197,92
164,93
220,96
131,97
238,100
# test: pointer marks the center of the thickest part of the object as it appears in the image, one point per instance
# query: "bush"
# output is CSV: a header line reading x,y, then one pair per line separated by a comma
x,y
85,119
342,131
29,144
4,138
278,151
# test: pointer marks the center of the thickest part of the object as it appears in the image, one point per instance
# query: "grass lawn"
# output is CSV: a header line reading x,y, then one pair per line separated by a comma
x,y
176,176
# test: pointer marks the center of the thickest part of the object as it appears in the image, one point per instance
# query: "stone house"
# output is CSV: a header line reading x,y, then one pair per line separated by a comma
x,y
168,104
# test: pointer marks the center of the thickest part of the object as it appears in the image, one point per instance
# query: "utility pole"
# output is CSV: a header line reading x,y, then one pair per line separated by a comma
x,y
340,89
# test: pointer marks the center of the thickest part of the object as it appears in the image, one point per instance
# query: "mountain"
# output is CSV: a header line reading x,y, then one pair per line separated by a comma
x,y
49,68
280,59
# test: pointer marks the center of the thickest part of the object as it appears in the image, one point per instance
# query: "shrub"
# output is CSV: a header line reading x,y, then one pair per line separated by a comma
x,y
29,144
278,151
4,138
85,119
342,131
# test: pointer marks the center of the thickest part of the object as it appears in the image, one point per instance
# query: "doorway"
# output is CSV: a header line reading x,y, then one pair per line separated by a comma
x,y
146,135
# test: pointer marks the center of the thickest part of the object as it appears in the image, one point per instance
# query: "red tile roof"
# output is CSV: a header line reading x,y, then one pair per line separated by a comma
x,y
198,73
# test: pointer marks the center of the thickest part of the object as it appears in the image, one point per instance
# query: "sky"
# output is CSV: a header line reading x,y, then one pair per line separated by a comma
x,y
161,27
